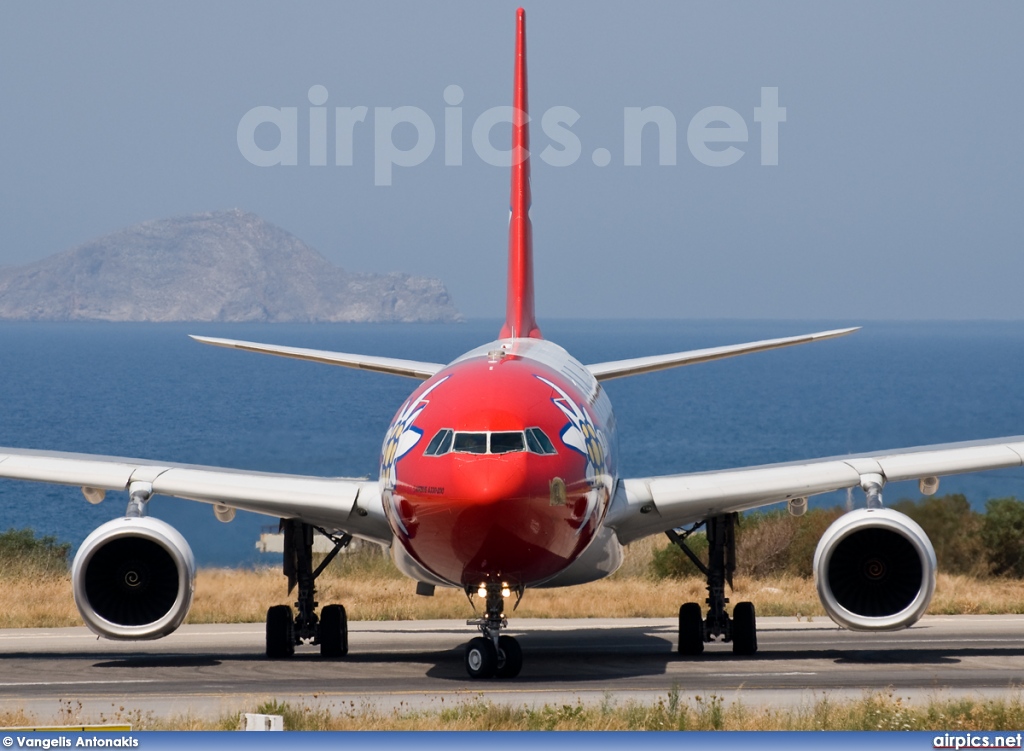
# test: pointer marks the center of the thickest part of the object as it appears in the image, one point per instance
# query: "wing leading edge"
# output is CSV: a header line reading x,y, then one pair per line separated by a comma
x,y
651,505
351,505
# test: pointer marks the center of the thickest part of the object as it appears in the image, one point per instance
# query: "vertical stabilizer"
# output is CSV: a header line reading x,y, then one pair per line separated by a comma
x,y
519,315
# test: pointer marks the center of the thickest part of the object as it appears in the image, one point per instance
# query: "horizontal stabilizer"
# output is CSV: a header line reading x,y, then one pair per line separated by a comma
x,y
620,368
394,366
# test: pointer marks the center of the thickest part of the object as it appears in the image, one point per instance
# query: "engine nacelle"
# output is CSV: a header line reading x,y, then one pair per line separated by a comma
x,y
133,578
875,570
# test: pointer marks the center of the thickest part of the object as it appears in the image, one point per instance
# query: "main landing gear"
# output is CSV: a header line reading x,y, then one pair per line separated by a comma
x,y
493,655
741,629
284,631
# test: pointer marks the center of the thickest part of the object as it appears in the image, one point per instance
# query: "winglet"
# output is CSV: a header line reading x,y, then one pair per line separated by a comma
x,y
520,320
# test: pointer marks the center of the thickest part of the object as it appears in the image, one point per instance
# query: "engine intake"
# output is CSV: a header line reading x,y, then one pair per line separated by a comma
x,y
875,570
133,578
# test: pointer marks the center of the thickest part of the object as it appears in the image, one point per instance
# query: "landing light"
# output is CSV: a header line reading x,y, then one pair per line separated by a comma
x,y
482,592
506,592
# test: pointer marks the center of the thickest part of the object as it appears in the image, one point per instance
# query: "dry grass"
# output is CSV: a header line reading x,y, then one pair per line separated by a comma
x,y
243,596
10,718
883,710
371,589
37,602
874,711
957,595
224,595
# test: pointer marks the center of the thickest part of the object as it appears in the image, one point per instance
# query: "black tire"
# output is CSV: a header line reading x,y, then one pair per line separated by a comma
x,y
691,629
333,631
280,632
481,658
510,657
744,629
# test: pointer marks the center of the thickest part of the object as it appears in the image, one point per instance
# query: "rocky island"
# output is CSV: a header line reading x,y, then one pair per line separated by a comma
x,y
228,266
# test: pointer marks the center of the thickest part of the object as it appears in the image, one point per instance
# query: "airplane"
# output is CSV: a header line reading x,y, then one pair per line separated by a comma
x,y
498,475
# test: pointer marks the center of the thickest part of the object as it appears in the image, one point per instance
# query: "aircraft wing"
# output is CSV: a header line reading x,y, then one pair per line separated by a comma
x,y
392,365
651,505
350,505
605,371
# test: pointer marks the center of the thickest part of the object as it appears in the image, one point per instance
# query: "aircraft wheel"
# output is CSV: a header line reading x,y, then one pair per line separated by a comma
x,y
481,658
691,629
333,631
744,629
510,657
280,632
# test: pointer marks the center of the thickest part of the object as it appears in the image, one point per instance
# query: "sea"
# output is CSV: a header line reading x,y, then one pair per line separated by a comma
x,y
148,391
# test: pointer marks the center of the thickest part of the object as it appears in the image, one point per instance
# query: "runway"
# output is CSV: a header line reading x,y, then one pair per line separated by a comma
x,y
209,670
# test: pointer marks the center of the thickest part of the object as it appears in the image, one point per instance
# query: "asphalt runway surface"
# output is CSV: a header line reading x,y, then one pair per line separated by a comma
x,y
210,670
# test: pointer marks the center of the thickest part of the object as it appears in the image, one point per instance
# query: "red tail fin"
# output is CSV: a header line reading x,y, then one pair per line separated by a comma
x,y
519,316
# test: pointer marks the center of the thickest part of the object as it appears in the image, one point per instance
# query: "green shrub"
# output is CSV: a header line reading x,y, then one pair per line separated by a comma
x,y
767,543
1002,533
770,543
22,552
954,529
362,559
672,563
764,542
805,540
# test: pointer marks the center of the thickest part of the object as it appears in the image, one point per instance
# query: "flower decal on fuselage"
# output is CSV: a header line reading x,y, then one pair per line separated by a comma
x,y
402,436
582,436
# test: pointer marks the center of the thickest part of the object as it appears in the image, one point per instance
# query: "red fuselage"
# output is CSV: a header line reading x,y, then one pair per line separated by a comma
x,y
500,468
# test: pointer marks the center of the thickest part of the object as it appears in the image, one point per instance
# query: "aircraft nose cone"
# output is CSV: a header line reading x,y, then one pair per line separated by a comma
x,y
499,478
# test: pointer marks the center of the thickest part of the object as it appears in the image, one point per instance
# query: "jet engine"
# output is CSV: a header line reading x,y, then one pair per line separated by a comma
x,y
133,578
875,570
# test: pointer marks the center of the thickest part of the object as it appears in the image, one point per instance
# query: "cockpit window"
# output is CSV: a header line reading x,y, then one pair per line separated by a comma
x,y
505,443
539,442
471,443
441,443
533,440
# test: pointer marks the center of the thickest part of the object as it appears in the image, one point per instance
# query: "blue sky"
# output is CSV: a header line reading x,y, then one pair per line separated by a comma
x,y
896,195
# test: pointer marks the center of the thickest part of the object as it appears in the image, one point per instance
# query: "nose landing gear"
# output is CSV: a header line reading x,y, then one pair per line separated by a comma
x,y
493,655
